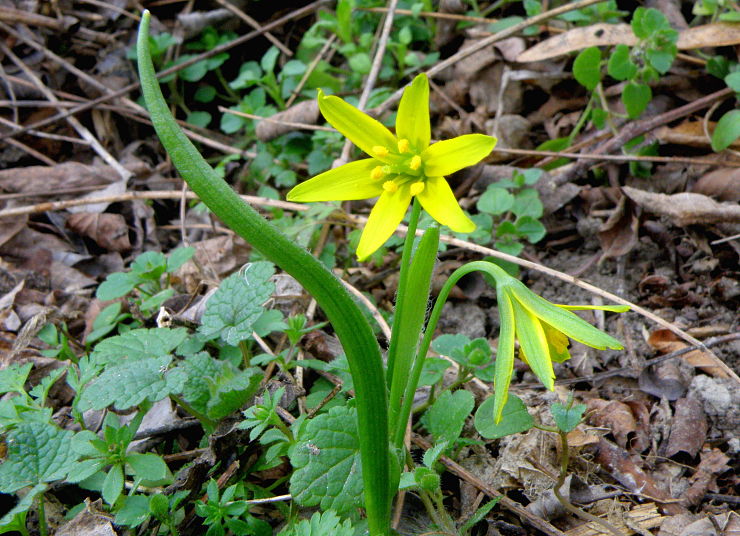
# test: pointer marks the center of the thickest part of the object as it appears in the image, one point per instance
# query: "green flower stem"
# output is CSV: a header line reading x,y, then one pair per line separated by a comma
x,y
482,266
403,277
43,529
359,343
415,296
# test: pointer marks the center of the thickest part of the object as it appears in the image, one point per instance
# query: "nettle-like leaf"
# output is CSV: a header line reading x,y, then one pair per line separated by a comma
x,y
320,524
237,304
446,418
326,459
139,344
216,388
129,383
38,452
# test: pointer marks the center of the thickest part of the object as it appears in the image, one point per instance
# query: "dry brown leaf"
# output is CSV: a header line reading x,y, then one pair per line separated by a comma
x,y
665,342
689,428
620,466
722,184
628,425
663,381
92,521
708,35
618,235
109,231
54,178
685,208
689,133
713,463
303,112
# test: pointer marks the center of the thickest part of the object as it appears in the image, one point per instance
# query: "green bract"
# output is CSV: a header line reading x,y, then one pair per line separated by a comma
x,y
402,166
542,329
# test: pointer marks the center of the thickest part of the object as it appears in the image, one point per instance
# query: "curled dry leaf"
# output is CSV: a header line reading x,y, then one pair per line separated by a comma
x,y
713,463
689,133
722,184
665,341
306,112
628,423
685,208
708,35
618,235
109,231
623,469
689,428
663,381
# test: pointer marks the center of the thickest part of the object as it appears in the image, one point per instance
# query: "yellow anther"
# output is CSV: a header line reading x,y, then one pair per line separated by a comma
x,y
415,162
380,151
377,173
417,188
403,145
390,187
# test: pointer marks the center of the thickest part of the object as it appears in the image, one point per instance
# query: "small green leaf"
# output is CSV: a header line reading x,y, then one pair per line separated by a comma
x,y
433,371
139,344
620,65
726,131
557,144
733,81
134,512
567,418
446,418
636,97
587,67
495,201
116,285
514,419
320,524
113,484
178,257
527,203
37,452
326,460
131,382
237,304
531,229
13,378
360,63
662,59
205,94
148,466
159,506
199,119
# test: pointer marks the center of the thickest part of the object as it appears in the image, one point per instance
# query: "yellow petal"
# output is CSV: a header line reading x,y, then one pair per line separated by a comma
x,y
439,201
534,344
412,121
446,157
569,323
360,128
557,343
345,183
504,366
383,221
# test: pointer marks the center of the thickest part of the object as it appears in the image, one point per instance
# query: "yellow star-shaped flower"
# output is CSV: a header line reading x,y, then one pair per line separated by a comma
x,y
400,167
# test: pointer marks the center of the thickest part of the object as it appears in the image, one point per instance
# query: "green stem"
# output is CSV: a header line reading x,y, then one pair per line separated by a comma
x,y
43,529
246,354
483,266
358,340
403,277
410,321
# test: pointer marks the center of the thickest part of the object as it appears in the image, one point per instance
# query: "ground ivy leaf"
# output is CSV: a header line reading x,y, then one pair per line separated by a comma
x,y
131,382
514,419
231,392
198,368
320,524
237,304
139,344
37,452
446,417
326,459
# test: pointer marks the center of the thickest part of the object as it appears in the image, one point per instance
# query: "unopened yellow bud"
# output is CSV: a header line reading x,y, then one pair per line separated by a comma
x,y
417,188
415,162
403,145
390,187
380,151
377,173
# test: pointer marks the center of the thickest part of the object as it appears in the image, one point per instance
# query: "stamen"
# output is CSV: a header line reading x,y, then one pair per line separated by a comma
x,y
380,151
377,173
417,188
390,187
415,162
403,145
